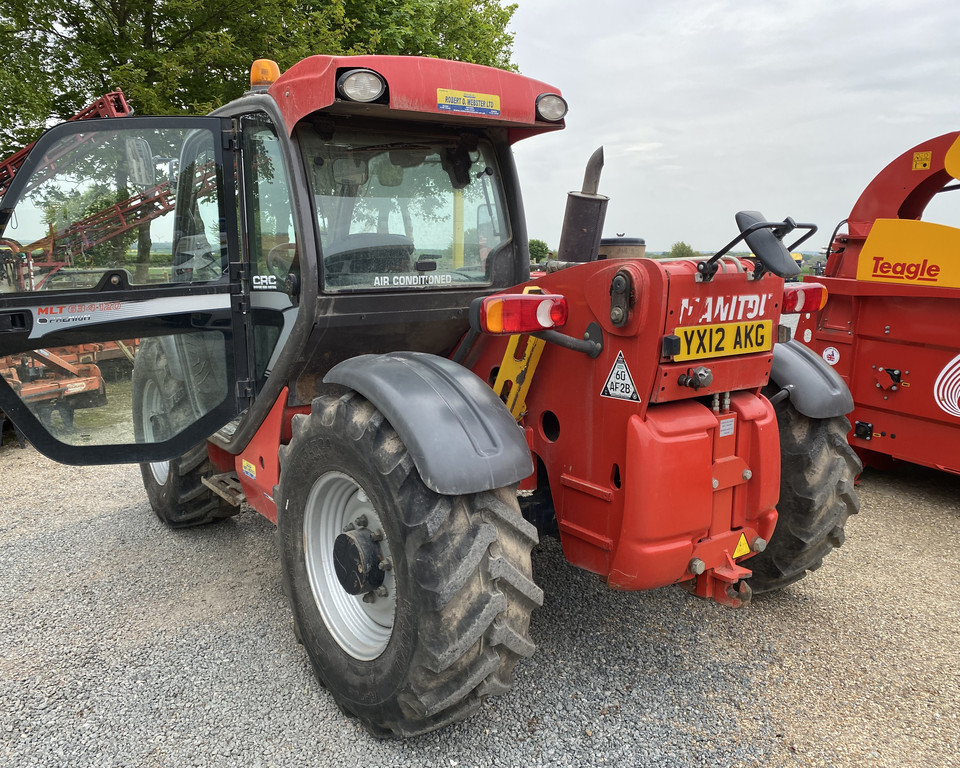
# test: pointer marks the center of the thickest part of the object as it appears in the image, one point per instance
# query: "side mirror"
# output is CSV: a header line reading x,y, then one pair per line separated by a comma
x,y
140,166
765,239
388,174
351,171
767,244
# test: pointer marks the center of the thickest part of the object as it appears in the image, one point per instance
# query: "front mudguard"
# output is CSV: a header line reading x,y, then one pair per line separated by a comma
x,y
459,434
815,389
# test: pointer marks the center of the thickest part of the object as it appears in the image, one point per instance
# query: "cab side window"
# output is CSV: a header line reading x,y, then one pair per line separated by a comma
x,y
271,243
197,254
269,213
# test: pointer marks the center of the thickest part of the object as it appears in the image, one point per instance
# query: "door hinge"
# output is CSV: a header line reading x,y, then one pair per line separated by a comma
x,y
246,391
231,139
239,286
239,277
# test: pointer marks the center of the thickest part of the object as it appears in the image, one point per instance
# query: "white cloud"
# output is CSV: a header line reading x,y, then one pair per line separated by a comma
x,y
706,107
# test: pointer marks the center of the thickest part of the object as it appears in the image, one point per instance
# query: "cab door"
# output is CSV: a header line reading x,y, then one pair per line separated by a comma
x,y
123,296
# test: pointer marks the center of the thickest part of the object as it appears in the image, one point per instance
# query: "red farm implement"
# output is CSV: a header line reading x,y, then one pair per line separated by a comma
x,y
889,327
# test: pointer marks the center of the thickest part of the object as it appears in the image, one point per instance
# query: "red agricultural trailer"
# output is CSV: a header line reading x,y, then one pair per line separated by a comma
x,y
889,327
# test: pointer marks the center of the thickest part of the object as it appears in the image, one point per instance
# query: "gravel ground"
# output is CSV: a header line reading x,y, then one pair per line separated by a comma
x,y
125,644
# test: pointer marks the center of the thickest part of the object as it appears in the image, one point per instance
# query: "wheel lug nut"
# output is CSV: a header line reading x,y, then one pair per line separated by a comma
x,y
369,597
361,521
377,535
386,565
349,527
381,591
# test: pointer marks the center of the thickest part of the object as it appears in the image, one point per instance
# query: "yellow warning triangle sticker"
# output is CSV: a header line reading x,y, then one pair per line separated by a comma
x,y
742,547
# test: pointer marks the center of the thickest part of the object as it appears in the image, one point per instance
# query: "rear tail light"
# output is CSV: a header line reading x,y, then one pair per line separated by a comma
x,y
803,297
521,313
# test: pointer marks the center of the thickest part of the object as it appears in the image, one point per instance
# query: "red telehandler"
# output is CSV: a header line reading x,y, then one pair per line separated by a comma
x,y
349,339
889,327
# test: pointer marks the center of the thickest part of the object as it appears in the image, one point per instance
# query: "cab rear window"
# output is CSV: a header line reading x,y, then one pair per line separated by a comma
x,y
397,213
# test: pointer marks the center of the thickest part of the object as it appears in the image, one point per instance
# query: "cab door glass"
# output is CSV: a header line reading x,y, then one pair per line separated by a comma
x,y
131,200
271,240
100,253
121,391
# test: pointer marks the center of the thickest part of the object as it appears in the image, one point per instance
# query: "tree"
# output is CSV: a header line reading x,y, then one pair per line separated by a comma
x,y
538,250
26,96
181,56
681,250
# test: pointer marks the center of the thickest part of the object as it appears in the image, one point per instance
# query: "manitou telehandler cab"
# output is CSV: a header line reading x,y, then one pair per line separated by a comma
x,y
330,285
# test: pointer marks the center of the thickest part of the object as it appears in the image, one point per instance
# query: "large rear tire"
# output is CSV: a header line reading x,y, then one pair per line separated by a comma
x,y
439,612
175,488
817,495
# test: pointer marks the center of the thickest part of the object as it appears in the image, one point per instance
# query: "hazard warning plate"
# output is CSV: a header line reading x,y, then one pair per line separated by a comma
x,y
723,339
619,383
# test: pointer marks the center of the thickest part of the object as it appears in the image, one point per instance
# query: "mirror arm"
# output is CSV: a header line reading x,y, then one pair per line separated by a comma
x,y
788,226
812,230
708,268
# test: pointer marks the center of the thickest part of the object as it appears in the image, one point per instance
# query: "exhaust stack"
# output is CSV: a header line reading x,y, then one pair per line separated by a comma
x,y
583,218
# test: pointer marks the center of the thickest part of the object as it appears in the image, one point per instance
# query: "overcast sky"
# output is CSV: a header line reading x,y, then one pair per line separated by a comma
x,y
707,107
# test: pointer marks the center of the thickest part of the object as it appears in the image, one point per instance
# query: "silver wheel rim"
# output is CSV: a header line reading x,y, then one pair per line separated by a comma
x,y
152,404
360,628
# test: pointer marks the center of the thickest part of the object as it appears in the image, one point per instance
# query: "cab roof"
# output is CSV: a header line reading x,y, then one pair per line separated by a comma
x,y
423,88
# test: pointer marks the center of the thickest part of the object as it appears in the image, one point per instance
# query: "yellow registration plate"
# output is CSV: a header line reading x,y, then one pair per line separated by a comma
x,y
723,339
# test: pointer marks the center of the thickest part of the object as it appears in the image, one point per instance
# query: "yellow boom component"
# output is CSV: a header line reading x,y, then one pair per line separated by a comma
x,y
457,228
517,368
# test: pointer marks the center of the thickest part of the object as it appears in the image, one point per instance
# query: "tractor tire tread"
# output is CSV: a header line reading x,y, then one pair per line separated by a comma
x,y
817,496
181,500
195,504
470,561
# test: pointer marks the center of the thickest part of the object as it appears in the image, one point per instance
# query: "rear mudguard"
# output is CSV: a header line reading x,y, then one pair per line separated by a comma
x,y
814,388
459,434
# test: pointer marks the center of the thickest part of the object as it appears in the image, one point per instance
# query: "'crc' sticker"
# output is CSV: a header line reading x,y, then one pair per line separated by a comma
x,y
619,384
